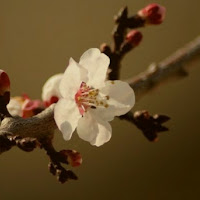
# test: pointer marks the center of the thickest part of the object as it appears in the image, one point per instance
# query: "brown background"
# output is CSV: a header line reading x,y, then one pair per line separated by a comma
x,y
37,38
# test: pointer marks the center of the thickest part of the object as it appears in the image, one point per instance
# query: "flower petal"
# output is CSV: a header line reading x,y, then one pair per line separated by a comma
x,y
93,129
96,64
73,77
66,115
15,107
121,99
51,87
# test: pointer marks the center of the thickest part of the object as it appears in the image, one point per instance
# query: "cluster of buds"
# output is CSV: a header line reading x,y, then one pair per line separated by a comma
x,y
61,173
151,14
150,125
71,157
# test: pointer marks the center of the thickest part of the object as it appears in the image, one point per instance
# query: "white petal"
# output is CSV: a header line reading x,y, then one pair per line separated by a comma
x,y
122,99
97,65
51,87
15,107
66,115
93,129
73,77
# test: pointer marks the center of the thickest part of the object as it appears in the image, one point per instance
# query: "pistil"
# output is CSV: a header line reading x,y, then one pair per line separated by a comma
x,y
88,97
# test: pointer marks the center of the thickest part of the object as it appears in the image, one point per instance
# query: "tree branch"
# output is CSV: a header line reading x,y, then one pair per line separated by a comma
x,y
40,126
175,66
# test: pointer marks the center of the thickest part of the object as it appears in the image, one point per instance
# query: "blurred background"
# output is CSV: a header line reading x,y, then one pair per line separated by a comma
x,y
37,38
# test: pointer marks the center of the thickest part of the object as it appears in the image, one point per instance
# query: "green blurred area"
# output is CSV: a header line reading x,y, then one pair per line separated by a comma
x,y
37,38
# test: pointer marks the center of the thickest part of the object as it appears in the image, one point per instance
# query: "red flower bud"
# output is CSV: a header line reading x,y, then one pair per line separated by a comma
x,y
153,13
4,82
134,37
73,157
4,86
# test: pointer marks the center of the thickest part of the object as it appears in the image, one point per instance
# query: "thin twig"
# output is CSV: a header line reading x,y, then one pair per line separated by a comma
x,y
120,46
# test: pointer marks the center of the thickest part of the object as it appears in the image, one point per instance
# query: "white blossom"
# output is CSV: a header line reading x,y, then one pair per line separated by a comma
x,y
88,101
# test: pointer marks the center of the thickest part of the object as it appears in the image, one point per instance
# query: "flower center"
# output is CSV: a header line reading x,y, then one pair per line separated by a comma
x,y
88,97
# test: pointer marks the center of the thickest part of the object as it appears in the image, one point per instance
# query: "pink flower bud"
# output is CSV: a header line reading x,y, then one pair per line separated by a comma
x,y
153,13
73,157
31,107
134,37
4,86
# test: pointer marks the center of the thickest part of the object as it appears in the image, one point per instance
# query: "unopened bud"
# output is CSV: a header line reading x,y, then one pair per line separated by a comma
x,y
134,37
73,157
153,13
4,86
4,82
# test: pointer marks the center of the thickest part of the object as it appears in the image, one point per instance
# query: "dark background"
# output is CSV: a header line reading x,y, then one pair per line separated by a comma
x,y
37,38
